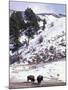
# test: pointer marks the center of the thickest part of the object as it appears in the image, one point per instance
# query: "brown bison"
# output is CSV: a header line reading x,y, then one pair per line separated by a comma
x,y
39,79
31,78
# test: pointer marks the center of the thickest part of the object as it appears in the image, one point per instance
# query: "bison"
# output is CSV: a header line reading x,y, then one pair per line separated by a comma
x,y
39,79
31,77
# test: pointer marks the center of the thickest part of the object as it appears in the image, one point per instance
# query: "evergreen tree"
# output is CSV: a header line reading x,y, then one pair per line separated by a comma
x,y
16,24
44,22
32,25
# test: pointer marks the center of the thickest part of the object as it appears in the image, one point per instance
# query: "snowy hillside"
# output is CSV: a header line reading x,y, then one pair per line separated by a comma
x,y
47,45
53,35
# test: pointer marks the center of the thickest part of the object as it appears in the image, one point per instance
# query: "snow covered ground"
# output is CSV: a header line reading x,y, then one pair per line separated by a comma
x,y
50,71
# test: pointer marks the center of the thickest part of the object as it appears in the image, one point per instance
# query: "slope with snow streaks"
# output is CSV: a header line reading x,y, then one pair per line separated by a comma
x,y
51,35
